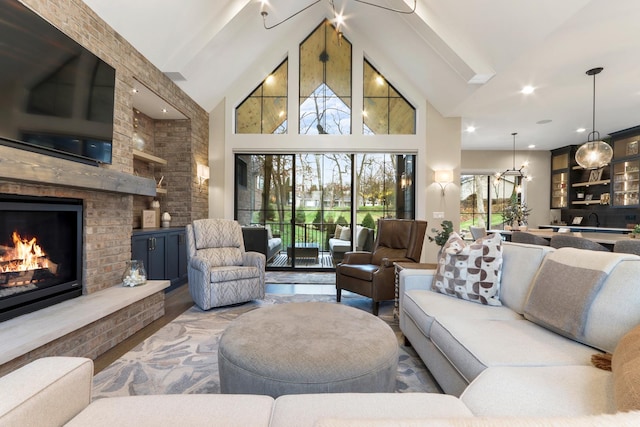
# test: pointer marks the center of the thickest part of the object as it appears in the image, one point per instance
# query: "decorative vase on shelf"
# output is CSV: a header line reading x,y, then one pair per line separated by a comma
x,y
134,274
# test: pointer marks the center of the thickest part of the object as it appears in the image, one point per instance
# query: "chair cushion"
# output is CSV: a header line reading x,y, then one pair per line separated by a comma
x,y
232,273
222,256
216,233
359,271
470,272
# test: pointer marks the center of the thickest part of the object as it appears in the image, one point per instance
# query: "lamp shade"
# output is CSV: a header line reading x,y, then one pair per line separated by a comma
x,y
594,154
443,176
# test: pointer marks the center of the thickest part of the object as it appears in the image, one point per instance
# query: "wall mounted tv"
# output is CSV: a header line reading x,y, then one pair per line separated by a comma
x,y
57,97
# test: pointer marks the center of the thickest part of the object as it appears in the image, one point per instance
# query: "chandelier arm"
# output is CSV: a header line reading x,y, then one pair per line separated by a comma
x,y
406,12
264,14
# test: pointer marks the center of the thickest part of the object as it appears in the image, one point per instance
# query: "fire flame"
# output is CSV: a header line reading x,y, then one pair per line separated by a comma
x,y
25,255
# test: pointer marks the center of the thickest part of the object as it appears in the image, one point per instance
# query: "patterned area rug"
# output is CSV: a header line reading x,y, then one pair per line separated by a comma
x,y
182,357
293,277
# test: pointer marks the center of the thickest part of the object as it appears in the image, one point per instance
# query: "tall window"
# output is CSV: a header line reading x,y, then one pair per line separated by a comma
x,y
265,110
482,200
325,82
385,110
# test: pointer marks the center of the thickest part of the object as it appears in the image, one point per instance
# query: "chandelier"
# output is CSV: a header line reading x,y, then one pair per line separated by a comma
x,y
520,173
338,18
595,153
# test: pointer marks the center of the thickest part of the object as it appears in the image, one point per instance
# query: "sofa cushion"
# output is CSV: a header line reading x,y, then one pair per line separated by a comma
x,y
423,307
233,273
520,263
537,391
362,233
216,233
621,419
177,410
625,365
565,288
306,409
474,346
470,272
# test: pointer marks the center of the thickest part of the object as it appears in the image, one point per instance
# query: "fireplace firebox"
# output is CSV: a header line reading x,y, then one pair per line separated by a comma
x,y
40,253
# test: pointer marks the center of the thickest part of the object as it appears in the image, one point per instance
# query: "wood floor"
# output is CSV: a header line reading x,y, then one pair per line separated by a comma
x,y
177,302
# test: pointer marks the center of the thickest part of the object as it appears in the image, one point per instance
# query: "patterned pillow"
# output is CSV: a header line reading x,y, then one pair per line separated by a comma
x,y
471,272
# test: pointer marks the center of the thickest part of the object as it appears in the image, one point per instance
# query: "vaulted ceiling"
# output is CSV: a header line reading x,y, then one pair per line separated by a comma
x,y
468,58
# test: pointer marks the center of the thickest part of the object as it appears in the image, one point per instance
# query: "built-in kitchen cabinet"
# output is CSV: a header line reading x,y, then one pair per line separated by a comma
x,y
561,162
626,168
163,252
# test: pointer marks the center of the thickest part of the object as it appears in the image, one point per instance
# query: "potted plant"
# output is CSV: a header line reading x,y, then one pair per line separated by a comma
x,y
635,233
515,214
442,236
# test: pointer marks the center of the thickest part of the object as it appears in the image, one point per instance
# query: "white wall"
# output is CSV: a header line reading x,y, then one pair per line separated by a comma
x,y
537,190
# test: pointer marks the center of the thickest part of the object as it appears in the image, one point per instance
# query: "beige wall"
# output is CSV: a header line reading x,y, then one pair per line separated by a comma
x,y
537,190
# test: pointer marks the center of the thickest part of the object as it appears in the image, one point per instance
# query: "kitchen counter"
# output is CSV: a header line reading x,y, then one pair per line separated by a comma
x,y
585,228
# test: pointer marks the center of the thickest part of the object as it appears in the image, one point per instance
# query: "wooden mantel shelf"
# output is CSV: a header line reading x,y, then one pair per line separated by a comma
x,y
25,166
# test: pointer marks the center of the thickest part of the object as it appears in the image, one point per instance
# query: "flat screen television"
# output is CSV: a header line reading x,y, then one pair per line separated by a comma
x,y
57,97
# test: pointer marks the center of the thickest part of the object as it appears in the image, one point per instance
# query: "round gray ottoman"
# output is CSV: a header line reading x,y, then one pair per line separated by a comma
x,y
311,347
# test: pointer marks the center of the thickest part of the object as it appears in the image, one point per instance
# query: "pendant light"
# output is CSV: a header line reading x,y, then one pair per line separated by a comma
x,y
520,174
595,153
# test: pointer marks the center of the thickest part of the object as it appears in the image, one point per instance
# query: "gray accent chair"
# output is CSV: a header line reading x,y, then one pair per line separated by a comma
x,y
532,239
220,271
631,246
563,241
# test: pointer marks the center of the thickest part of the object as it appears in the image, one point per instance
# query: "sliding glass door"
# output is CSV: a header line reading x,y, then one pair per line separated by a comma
x,y
300,199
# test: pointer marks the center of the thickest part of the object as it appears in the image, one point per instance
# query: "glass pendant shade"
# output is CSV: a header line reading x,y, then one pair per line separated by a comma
x,y
594,155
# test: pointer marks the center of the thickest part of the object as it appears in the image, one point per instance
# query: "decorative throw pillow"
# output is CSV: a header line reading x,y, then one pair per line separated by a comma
x,y
269,232
338,231
625,365
470,271
345,234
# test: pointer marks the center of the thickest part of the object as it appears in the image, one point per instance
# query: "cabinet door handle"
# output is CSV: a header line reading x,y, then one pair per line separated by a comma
x,y
151,244
181,239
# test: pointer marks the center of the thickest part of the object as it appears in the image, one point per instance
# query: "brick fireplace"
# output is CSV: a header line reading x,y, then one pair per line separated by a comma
x,y
111,195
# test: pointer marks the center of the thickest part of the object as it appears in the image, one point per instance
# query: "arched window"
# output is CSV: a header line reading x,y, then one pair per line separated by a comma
x,y
325,82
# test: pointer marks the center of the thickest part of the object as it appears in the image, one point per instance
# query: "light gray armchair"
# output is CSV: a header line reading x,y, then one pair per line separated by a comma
x,y
220,271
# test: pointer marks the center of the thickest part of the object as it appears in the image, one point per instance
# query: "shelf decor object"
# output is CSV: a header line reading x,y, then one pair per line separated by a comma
x,y
595,153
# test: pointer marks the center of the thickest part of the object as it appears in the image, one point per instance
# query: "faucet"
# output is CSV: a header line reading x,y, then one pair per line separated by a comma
x,y
597,219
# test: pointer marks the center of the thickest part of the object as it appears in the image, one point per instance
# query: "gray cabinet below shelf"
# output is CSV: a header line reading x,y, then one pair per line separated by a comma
x,y
163,252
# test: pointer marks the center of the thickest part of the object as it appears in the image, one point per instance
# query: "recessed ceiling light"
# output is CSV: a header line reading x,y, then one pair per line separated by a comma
x,y
527,90
164,110
134,90
580,130
532,146
471,129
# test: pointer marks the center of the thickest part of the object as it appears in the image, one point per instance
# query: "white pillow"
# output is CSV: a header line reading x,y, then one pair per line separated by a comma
x,y
345,234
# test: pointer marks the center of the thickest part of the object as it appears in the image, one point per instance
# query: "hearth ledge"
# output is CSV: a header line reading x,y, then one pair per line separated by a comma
x,y
26,333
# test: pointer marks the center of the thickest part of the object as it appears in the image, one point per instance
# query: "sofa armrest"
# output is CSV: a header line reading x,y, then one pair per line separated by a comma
x,y
255,259
410,279
47,392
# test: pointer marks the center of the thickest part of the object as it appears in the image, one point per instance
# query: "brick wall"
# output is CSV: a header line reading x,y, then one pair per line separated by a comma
x,y
108,216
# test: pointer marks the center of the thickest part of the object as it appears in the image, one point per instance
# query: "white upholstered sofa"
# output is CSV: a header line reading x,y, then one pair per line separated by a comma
x,y
507,370
56,391
531,356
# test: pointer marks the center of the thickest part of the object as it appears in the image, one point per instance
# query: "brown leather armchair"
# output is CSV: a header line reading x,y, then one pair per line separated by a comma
x,y
372,274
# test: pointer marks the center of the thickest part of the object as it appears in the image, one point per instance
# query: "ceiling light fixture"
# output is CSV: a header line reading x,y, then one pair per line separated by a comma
x,y
527,90
518,173
338,17
595,153
471,129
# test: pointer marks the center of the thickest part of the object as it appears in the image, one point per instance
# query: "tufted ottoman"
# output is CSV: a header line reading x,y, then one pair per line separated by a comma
x,y
311,347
